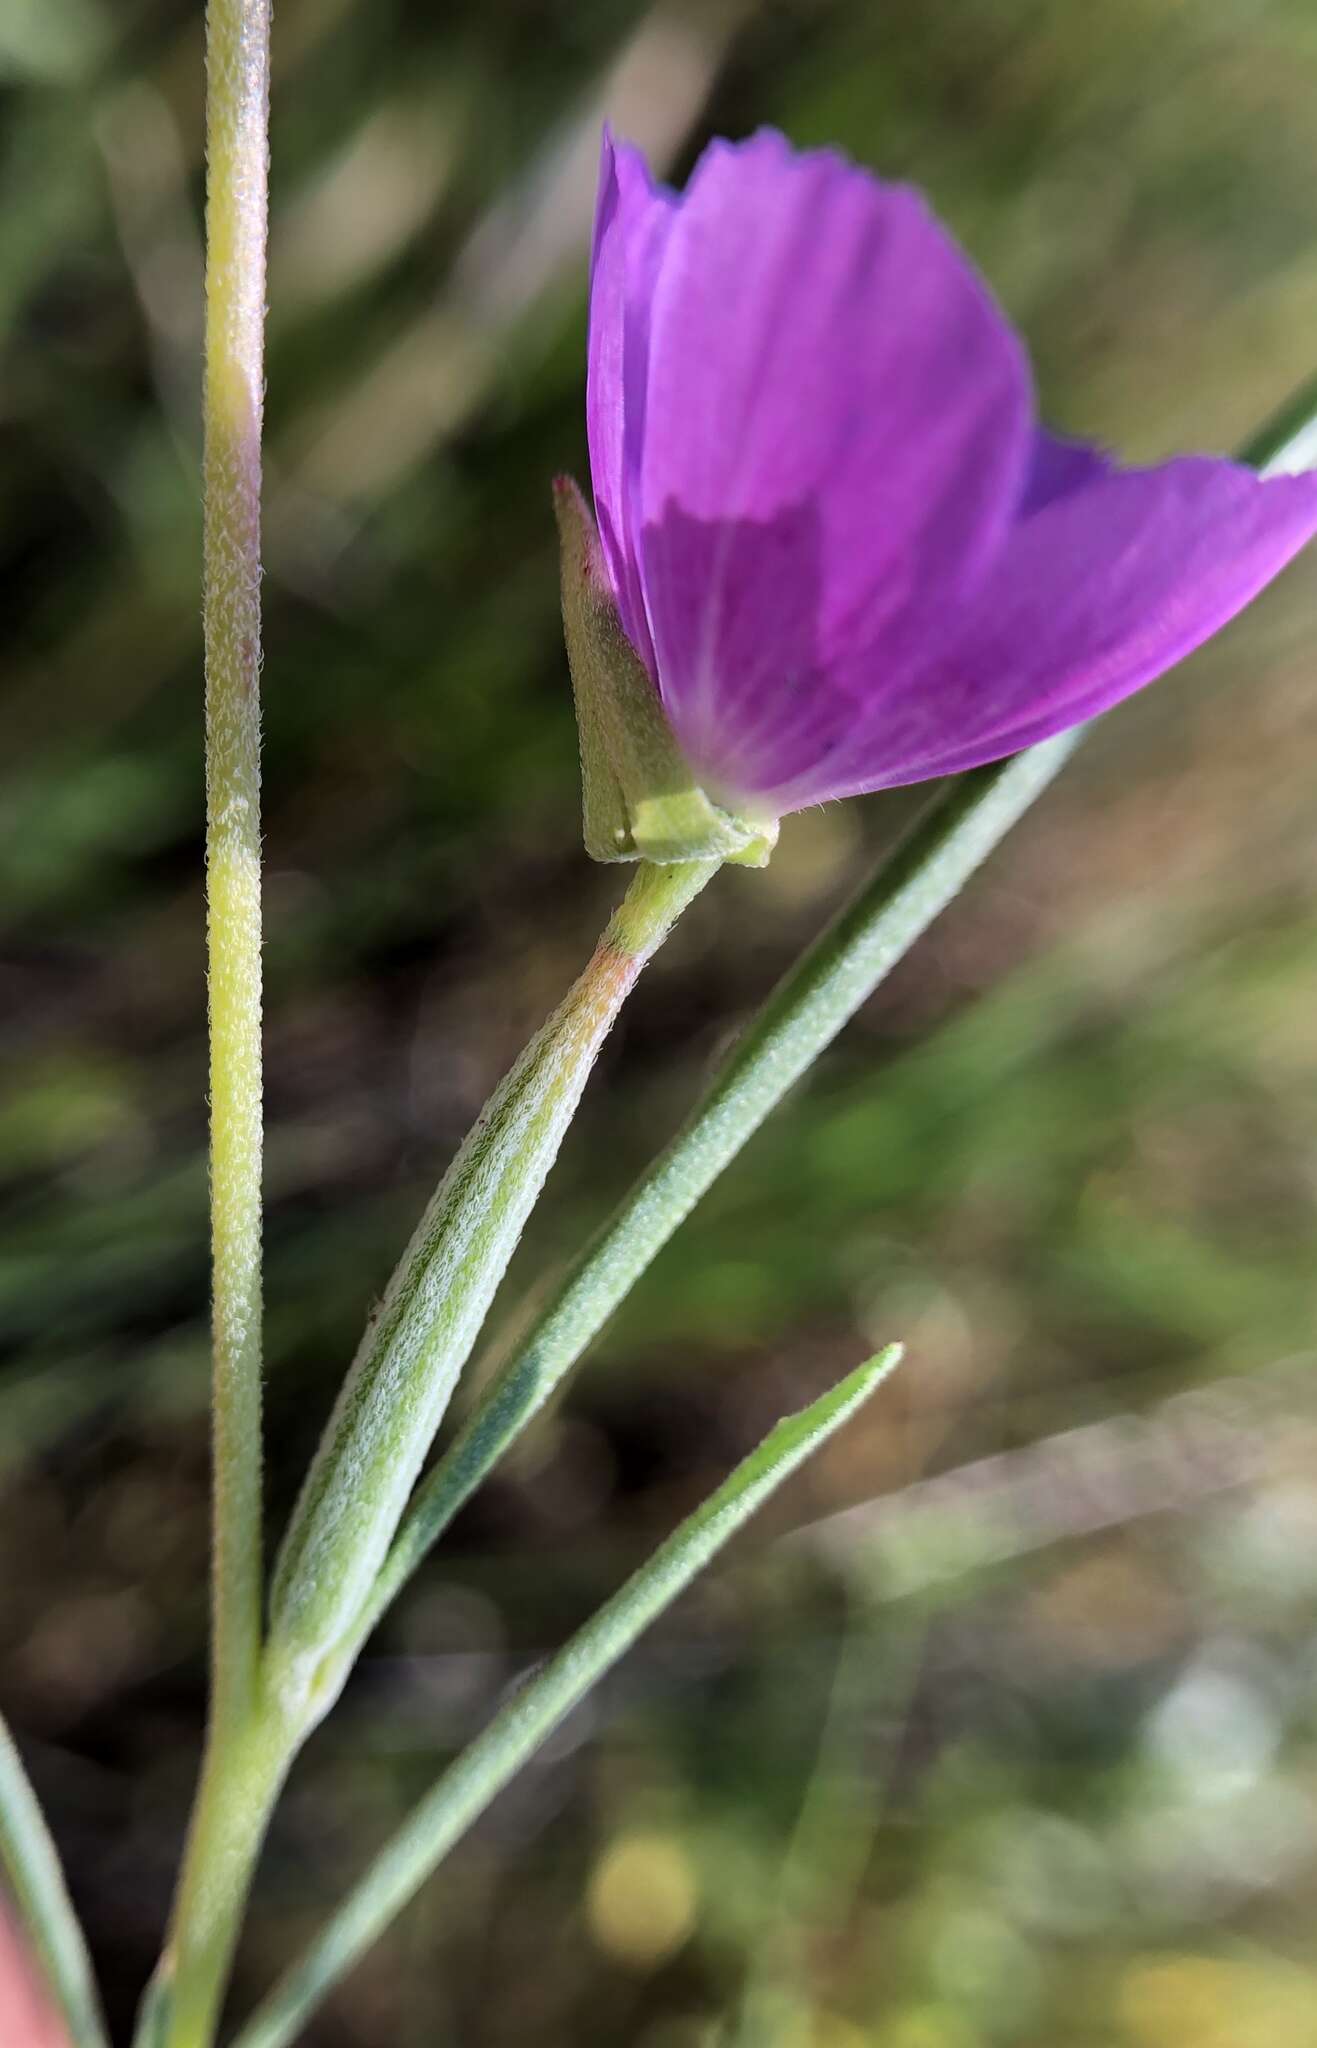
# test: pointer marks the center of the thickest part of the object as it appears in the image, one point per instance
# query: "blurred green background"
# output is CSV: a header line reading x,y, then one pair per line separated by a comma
x,y
1024,1751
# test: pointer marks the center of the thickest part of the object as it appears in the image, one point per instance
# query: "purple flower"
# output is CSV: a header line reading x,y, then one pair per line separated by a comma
x,y
842,546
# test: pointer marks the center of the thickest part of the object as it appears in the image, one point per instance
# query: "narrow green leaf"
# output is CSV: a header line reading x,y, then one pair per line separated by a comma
x,y
32,1861
532,1714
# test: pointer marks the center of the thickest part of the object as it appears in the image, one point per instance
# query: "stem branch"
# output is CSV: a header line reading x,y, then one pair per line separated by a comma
x,y
400,1383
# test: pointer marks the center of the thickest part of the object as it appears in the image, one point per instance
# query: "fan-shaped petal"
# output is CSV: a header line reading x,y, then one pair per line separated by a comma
x,y
1099,592
837,427
633,216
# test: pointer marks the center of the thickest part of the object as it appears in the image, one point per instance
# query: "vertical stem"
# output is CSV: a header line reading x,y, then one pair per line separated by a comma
x,y
242,1778
237,111
245,1750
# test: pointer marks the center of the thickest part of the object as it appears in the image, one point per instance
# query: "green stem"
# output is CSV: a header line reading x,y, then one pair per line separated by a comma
x,y
531,1715
237,73
232,1800
229,1821
32,1861
395,1395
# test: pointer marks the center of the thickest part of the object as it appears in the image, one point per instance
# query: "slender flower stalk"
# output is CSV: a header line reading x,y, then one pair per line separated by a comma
x,y
237,111
398,1388
182,2005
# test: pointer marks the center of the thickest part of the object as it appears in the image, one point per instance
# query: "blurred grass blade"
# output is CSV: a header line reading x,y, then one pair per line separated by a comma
x,y
895,906
32,1861
539,1706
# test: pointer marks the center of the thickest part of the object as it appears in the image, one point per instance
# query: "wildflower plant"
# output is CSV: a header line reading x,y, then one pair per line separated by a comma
x,y
828,549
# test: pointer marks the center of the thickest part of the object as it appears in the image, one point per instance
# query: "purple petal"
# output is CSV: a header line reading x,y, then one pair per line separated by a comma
x,y
1097,594
633,216
1058,467
836,433
837,540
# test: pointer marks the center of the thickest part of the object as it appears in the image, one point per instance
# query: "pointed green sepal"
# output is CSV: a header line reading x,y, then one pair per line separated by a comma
x,y
640,799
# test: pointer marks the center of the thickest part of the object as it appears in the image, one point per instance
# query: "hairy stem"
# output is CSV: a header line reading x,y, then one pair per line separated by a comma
x,y
237,66
238,1791
182,2006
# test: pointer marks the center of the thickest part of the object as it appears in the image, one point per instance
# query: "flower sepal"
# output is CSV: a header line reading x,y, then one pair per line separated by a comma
x,y
640,799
